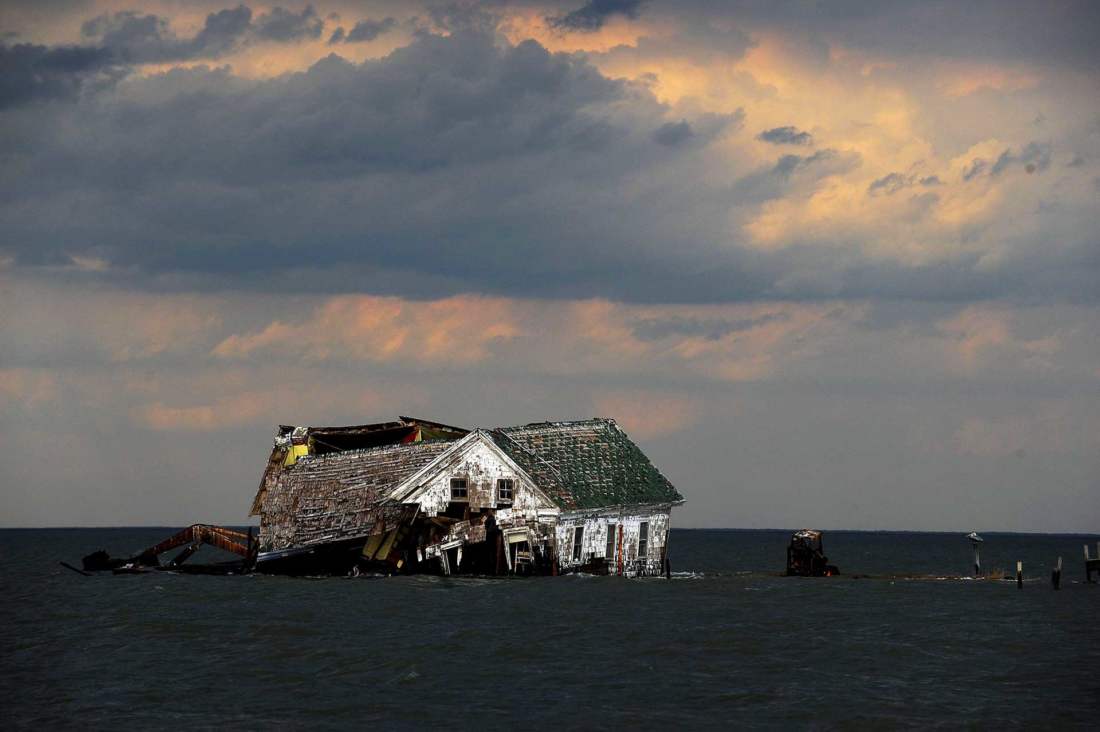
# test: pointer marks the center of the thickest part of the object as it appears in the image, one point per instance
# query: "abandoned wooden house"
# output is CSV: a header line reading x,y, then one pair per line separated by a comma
x,y
419,496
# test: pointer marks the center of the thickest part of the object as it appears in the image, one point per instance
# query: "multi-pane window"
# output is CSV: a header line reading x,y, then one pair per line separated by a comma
x,y
610,553
459,490
506,489
578,542
643,539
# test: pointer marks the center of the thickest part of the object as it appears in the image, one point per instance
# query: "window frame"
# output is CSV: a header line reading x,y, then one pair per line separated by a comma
x,y
612,544
511,488
578,543
465,494
643,539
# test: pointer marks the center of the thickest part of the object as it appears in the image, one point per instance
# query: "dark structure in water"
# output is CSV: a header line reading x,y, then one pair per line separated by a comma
x,y
420,496
806,556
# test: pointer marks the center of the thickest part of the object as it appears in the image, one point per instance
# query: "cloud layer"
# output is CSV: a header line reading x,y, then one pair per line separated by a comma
x,y
466,163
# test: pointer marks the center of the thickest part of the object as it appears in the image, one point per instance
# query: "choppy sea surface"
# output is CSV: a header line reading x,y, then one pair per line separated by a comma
x,y
724,643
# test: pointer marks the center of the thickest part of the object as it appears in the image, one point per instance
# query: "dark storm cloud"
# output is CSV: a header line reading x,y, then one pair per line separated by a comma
x,y
29,71
455,164
223,29
1034,157
890,183
592,15
134,38
412,165
786,136
673,133
364,30
285,26
137,38
115,42
368,30
893,182
828,160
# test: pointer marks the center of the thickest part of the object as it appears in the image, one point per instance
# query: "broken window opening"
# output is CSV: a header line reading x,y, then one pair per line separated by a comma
x,y
506,489
459,489
578,541
610,551
643,539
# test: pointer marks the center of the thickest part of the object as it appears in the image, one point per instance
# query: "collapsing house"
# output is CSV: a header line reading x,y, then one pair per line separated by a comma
x,y
417,496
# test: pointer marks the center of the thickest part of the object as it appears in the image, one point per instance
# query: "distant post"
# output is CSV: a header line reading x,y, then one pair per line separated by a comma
x,y
1056,575
1019,575
976,541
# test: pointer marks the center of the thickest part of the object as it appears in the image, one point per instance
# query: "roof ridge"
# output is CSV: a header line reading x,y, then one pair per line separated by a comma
x,y
564,423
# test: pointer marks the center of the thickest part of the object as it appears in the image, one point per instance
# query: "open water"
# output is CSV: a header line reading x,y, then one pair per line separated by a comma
x,y
724,643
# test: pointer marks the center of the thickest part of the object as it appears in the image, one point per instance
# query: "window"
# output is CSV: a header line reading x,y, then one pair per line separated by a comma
x,y
610,553
578,540
643,539
459,491
506,489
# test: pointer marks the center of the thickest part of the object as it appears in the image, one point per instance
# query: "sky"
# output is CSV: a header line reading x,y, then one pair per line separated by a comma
x,y
831,264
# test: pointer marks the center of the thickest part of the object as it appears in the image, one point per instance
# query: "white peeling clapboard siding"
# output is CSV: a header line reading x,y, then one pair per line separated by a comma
x,y
594,539
481,467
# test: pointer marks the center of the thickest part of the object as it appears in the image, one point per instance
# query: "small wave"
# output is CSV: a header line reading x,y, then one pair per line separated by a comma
x,y
687,575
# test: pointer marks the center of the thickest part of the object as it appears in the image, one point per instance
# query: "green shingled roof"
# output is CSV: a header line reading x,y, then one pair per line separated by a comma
x,y
586,464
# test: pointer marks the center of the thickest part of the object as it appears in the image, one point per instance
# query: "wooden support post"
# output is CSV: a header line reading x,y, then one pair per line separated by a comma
x,y
666,565
1056,575
1019,575
1088,566
620,562
977,562
500,552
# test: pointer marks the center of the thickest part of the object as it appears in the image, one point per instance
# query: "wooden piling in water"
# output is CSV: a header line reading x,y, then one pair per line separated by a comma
x,y
1056,575
1092,564
1019,575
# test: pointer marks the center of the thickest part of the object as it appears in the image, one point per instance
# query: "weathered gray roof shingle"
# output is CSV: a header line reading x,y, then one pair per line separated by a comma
x,y
339,495
586,464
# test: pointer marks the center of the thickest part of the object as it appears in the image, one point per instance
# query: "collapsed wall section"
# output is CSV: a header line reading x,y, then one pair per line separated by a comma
x,y
325,498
